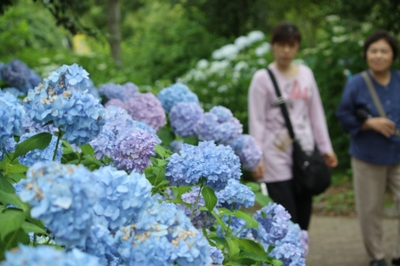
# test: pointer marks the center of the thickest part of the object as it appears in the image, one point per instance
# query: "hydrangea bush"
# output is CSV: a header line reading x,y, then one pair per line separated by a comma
x,y
111,193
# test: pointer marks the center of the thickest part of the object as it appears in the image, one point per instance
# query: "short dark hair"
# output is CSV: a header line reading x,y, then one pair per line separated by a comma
x,y
285,32
381,35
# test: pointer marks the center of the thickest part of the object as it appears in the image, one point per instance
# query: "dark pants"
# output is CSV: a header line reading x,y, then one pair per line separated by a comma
x,y
300,208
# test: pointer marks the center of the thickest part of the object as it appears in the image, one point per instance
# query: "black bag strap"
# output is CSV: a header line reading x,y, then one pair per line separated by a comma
x,y
282,104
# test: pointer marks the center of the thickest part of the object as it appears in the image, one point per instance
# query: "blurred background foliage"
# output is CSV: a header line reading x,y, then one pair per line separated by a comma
x,y
200,42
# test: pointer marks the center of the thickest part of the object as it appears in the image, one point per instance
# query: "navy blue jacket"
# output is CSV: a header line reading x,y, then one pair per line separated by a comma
x,y
369,145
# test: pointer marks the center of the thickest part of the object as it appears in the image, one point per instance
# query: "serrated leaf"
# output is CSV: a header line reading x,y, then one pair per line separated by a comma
x,y
8,198
11,220
38,141
233,246
250,221
209,197
251,246
87,149
15,168
262,199
30,227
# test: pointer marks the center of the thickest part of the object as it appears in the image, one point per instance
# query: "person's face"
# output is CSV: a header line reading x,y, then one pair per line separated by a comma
x,y
379,56
285,52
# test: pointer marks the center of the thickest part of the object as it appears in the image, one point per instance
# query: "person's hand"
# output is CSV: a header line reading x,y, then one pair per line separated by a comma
x,y
331,159
258,173
380,124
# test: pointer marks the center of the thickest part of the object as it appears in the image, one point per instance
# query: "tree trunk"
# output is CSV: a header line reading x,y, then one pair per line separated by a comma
x,y
114,15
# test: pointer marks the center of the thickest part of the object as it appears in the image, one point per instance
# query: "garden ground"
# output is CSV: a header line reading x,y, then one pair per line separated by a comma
x,y
334,232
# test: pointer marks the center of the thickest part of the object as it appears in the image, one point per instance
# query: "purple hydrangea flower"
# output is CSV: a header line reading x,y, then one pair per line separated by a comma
x,y
12,115
174,94
273,224
184,117
249,153
16,74
63,99
200,218
147,108
218,125
144,126
31,126
47,255
38,155
115,102
217,256
217,164
62,196
163,236
120,92
235,195
289,254
122,197
134,149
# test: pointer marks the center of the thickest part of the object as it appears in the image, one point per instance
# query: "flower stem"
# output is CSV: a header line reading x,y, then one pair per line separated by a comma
x,y
58,142
194,207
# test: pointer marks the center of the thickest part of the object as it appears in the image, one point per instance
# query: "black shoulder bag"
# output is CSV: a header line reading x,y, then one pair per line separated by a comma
x,y
311,176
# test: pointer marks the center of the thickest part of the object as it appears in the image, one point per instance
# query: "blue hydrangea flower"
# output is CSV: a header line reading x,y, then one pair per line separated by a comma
x,y
34,78
248,151
273,224
16,74
47,255
62,196
63,98
122,197
14,91
163,236
217,256
216,163
134,149
174,94
146,108
176,145
219,125
296,237
184,117
12,115
31,126
235,195
38,155
92,89
289,254
8,148
120,92
237,226
200,218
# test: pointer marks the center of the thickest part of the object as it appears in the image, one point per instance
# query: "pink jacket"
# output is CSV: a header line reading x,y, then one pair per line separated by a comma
x,y
268,127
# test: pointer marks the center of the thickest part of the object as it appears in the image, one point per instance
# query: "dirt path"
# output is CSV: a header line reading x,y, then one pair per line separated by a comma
x,y
336,241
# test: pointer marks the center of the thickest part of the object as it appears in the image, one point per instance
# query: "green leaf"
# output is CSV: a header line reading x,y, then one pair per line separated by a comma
x,y
15,168
255,187
262,200
87,149
5,185
11,220
30,227
248,245
15,237
224,211
160,151
209,197
8,198
251,222
182,190
277,262
38,141
180,201
233,246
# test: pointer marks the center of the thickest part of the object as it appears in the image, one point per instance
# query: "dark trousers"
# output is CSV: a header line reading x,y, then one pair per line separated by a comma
x,y
299,208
